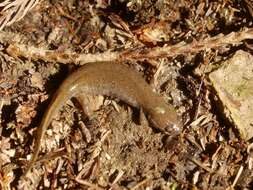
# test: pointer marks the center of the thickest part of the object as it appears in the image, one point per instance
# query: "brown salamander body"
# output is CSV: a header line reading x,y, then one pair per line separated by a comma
x,y
114,80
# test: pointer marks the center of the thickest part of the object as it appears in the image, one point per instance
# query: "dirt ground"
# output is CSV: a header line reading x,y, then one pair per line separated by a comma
x,y
114,146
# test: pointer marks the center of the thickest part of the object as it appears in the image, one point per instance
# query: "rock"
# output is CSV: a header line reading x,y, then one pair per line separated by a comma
x,y
233,82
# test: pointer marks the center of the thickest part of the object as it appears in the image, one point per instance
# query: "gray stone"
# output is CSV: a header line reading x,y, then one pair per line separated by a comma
x,y
233,82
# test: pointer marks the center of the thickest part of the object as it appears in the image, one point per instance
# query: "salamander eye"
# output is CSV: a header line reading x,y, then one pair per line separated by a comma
x,y
172,128
160,110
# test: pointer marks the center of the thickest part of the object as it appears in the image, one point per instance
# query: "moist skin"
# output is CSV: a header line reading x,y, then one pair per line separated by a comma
x,y
117,81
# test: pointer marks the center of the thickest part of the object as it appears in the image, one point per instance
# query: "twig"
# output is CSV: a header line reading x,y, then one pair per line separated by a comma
x,y
52,155
89,184
139,53
34,53
198,163
118,177
138,185
237,176
234,38
200,96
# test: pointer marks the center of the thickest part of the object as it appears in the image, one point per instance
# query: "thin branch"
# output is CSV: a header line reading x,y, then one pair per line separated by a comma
x,y
234,38
139,53
239,173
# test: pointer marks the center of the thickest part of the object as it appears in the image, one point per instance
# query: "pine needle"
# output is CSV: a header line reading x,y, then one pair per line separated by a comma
x,y
14,10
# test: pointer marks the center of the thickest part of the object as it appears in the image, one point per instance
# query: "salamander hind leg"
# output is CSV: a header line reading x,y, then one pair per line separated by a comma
x,y
89,103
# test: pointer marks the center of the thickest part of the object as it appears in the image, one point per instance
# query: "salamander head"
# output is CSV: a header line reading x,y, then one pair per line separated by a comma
x,y
165,118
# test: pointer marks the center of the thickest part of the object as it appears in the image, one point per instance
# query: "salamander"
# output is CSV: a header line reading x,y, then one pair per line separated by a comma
x,y
114,80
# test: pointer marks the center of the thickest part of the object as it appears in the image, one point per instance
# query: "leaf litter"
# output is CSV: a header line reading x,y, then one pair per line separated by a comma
x,y
110,146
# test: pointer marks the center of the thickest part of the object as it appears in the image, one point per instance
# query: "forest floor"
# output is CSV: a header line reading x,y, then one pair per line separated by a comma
x,y
172,44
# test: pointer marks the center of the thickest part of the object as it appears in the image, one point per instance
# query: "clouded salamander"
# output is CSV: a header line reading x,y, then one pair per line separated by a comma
x,y
114,80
